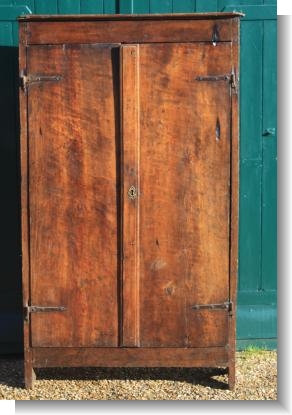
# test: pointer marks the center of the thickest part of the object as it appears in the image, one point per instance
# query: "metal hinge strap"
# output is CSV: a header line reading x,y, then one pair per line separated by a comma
x,y
223,306
27,80
213,78
40,309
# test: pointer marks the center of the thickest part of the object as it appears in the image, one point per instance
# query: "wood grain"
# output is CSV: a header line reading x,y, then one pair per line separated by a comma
x,y
127,31
28,369
184,208
129,357
128,270
130,17
131,177
234,204
73,196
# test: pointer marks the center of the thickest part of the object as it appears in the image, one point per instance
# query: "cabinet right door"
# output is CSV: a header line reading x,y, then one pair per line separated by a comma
x,y
184,193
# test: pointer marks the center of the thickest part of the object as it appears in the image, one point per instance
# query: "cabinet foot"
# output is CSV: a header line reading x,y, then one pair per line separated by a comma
x,y
29,375
231,377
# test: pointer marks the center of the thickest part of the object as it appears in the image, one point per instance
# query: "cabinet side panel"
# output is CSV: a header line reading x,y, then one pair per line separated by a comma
x,y
234,207
24,207
73,194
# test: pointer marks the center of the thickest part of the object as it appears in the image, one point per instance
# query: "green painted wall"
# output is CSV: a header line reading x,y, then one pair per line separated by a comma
x,y
257,293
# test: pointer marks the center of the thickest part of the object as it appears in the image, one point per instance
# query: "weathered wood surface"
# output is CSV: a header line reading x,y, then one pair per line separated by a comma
x,y
130,137
128,17
127,31
73,216
130,357
129,269
234,207
184,206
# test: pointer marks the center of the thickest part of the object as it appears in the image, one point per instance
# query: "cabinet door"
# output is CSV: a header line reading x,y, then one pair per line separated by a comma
x,y
183,197
73,200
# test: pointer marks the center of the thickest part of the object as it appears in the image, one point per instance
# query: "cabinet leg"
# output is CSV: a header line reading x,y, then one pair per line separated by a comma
x,y
231,377
29,375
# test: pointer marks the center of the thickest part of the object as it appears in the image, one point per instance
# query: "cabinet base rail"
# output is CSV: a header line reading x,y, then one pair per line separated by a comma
x,y
42,357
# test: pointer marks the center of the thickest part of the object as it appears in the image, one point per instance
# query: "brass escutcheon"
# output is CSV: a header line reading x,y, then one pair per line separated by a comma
x,y
132,192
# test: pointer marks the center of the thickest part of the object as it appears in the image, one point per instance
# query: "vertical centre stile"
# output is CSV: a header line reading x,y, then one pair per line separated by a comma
x,y
131,193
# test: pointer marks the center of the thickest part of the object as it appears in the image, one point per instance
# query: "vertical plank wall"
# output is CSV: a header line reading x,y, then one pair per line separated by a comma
x,y
256,321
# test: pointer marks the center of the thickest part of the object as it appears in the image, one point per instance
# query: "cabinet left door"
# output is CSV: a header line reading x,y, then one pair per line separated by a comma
x,y
73,194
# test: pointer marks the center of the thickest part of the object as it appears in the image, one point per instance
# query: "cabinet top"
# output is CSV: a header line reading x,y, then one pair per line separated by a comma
x,y
96,17
125,28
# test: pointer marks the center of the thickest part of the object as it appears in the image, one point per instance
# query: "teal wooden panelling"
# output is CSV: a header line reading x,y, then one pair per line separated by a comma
x,y
269,224
250,225
46,7
162,6
69,7
6,34
222,4
154,6
89,6
186,6
250,8
265,344
250,233
10,14
250,2
127,7
142,6
73,6
269,174
257,295
263,319
251,74
29,3
252,13
206,6
110,6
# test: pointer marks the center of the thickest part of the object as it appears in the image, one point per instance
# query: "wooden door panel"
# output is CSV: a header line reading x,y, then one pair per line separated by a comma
x,y
73,202
184,193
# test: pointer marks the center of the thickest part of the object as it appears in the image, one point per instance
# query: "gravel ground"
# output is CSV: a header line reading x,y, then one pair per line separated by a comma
x,y
256,380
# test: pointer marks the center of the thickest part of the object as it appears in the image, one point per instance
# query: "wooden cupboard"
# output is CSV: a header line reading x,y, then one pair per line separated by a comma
x,y
129,175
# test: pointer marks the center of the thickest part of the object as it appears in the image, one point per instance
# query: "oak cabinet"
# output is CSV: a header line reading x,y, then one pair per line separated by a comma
x,y
129,165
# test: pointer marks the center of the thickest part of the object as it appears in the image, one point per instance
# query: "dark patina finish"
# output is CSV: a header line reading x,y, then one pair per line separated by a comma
x,y
129,164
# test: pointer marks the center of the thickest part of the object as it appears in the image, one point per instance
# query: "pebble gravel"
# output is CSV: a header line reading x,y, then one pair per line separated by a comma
x,y
256,379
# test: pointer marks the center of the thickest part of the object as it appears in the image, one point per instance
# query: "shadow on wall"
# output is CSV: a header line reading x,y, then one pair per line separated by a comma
x,y
10,247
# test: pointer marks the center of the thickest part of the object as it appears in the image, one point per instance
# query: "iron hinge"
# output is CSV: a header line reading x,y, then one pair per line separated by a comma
x,y
231,78
233,82
27,80
222,306
40,309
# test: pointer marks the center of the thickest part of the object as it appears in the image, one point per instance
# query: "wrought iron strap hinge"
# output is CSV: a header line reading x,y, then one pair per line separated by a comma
x,y
40,309
222,306
27,80
231,78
